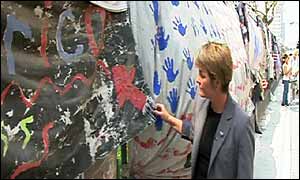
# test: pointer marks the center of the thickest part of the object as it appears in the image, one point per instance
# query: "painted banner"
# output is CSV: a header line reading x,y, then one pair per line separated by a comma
x,y
72,89
168,36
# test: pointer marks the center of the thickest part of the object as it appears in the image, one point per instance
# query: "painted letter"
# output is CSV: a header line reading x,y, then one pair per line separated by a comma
x,y
66,56
13,25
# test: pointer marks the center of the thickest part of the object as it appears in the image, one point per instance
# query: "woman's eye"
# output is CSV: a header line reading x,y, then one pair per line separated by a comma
x,y
201,75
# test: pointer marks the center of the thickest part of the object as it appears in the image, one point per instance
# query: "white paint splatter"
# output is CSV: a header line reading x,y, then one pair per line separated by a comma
x,y
73,160
59,108
38,11
90,140
26,111
106,92
69,75
49,15
66,117
11,132
66,5
76,27
80,176
10,113
58,74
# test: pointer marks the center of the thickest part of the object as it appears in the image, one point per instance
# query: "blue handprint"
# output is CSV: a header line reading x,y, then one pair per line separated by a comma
x,y
154,9
188,4
192,88
197,5
213,30
203,5
158,123
168,68
189,59
203,26
195,28
160,38
219,35
156,83
179,26
173,100
175,3
211,34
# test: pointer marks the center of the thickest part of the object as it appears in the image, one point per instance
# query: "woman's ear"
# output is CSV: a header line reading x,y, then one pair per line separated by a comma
x,y
217,84
220,86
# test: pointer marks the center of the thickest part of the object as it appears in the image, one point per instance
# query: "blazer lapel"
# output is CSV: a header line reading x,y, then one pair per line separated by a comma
x,y
222,130
200,117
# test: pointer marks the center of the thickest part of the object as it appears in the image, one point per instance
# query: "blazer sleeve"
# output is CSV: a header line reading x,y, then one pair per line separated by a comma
x,y
246,151
187,130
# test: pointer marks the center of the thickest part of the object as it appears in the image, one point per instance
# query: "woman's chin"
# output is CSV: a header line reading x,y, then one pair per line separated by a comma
x,y
202,94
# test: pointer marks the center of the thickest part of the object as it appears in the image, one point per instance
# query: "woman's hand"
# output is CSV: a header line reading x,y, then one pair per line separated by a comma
x,y
166,116
162,112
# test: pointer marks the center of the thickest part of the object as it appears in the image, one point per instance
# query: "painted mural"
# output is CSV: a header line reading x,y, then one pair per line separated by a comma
x,y
72,88
168,35
78,80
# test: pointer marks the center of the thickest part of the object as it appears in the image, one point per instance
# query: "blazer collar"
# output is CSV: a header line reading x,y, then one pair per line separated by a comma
x,y
229,107
222,129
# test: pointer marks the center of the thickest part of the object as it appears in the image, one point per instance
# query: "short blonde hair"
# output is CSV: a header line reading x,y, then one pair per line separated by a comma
x,y
216,59
296,52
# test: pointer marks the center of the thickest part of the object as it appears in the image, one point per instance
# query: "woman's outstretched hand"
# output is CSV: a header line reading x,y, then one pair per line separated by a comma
x,y
166,116
162,112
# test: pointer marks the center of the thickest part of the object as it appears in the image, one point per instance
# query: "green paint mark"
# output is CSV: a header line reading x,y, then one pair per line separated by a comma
x,y
26,131
4,139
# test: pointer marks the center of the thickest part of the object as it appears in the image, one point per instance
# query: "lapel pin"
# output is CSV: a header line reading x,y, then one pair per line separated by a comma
x,y
221,133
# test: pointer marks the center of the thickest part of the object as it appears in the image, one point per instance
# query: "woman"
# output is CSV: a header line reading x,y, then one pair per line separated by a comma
x,y
285,79
221,132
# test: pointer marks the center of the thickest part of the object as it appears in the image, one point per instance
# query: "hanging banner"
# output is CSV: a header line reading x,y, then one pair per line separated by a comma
x,y
168,36
72,89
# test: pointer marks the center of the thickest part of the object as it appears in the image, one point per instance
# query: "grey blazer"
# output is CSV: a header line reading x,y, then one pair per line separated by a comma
x,y
233,148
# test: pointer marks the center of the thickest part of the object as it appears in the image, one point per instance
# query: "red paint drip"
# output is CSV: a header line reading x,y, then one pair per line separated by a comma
x,y
169,170
150,143
5,91
48,4
26,166
125,89
187,150
42,83
89,30
44,40
166,137
104,67
46,139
